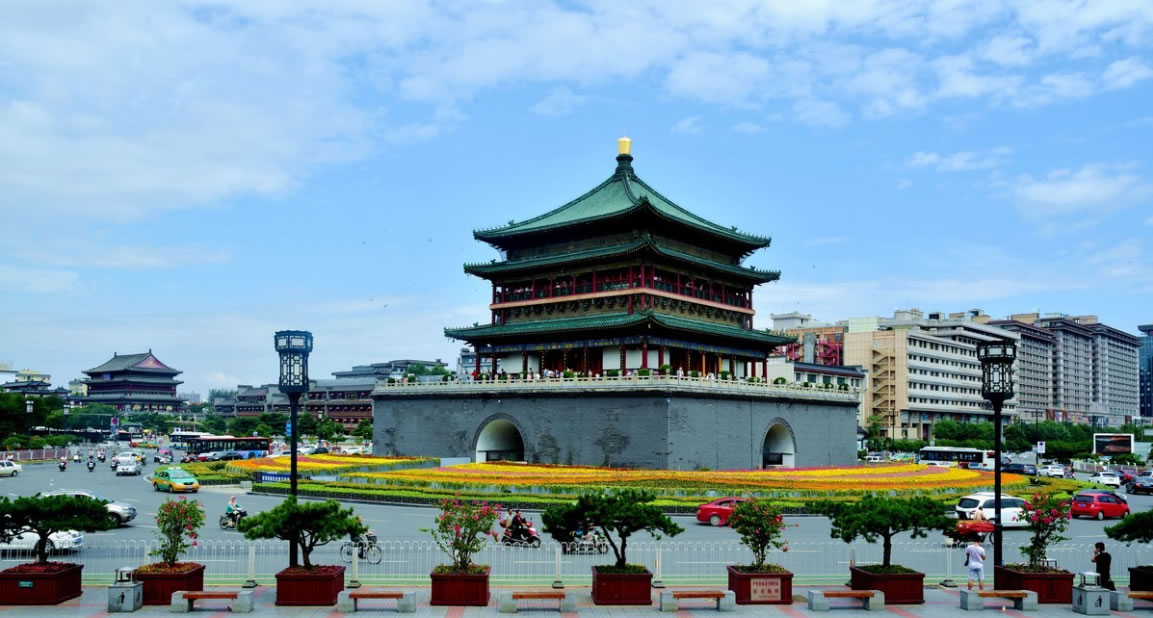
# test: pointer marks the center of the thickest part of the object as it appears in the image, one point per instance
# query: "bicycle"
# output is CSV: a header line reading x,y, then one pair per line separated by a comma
x,y
368,550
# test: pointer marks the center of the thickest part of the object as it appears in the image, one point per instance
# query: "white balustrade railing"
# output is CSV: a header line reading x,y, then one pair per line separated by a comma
x,y
674,562
796,390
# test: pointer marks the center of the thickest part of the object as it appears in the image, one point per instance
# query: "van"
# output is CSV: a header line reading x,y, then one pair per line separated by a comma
x,y
874,459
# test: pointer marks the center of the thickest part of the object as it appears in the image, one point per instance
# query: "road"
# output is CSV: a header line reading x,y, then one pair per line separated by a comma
x,y
399,523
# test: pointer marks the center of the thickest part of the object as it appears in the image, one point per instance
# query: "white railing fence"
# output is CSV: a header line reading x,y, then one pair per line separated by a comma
x,y
673,562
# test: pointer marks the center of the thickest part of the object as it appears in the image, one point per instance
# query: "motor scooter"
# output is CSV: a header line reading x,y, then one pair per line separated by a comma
x,y
76,458
63,466
227,521
521,535
588,543
91,465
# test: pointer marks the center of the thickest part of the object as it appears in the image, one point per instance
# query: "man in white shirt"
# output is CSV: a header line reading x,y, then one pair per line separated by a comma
x,y
975,560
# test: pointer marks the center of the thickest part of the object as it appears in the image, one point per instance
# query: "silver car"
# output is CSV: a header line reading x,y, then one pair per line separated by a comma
x,y
118,512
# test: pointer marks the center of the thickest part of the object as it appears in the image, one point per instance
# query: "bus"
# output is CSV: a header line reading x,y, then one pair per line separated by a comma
x,y
247,447
179,437
956,456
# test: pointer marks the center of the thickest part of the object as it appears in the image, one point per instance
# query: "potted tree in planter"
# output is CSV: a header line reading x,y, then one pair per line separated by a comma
x,y
460,532
874,517
43,582
1136,527
311,524
760,525
621,514
1047,516
176,524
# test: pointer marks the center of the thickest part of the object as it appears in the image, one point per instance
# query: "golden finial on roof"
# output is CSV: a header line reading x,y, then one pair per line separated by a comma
x,y
624,145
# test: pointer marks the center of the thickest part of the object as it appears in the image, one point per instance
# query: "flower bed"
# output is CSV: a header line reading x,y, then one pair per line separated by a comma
x,y
505,478
330,464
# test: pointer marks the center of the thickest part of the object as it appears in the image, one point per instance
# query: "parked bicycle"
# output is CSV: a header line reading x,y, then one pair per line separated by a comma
x,y
368,550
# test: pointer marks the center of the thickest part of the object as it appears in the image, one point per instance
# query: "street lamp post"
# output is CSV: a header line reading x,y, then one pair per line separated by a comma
x,y
28,405
997,386
293,347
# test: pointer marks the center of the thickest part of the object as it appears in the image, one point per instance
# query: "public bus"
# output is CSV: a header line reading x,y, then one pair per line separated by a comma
x,y
956,456
179,438
247,447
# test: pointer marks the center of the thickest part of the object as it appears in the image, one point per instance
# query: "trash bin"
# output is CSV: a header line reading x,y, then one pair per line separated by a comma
x,y
125,594
1089,597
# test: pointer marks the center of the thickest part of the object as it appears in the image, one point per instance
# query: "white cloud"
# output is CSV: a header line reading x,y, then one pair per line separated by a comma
x,y
961,161
1092,187
817,113
36,280
558,102
85,254
748,128
1008,50
1149,221
903,184
690,125
725,79
1125,73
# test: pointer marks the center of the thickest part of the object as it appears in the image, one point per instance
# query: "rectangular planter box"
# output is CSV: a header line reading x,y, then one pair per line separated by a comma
x,y
40,588
460,589
622,588
158,587
1050,587
899,588
1141,578
761,588
309,588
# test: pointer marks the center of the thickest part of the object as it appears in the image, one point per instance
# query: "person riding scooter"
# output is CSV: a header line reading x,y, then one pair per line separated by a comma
x,y
63,463
233,511
91,465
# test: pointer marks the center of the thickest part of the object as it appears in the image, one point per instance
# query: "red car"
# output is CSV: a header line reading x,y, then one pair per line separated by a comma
x,y
1127,474
718,511
1099,506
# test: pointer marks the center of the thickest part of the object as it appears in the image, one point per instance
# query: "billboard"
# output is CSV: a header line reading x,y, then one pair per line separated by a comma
x,y
1106,444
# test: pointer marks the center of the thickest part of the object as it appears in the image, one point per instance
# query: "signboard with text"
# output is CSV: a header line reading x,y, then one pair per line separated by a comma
x,y
765,589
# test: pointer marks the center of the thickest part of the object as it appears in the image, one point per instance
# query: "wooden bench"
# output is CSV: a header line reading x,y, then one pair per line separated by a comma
x,y
507,600
183,600
1023,600
726,599
346,601
874,600
1123,601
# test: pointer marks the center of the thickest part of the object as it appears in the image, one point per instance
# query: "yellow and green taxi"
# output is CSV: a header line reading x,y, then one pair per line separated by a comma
x,y
175,479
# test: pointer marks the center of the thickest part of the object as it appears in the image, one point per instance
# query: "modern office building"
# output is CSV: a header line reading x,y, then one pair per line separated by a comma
x,y
817,342
390,369
1033,371
1146,371
923,369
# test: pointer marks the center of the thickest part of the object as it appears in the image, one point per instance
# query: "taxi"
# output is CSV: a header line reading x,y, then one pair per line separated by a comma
x,y
175,479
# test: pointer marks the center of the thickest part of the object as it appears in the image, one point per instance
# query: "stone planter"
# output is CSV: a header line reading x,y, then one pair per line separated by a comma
x,y
761,588
158,587
1141,578
899,588
622,588
460,588
321,586
40,588
1050,587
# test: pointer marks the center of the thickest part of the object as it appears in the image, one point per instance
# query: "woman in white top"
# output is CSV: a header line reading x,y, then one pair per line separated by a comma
x,y
975,560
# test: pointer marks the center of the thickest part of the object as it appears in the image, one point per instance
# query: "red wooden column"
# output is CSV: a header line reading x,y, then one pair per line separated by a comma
x,y
661,356
494,366
477,350
524,361
644,354
622,359
732,367
594,280
765,375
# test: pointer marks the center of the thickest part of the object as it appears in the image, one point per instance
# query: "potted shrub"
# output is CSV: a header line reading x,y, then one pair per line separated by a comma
x,y
310,524
725,375
760,526
1047,517
1136,527
644,373
875,516
460,532
780,381
621,514
176,524
42,517
665,369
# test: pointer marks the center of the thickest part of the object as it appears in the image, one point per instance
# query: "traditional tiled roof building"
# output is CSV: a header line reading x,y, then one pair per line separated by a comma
x,y
621,278
134,382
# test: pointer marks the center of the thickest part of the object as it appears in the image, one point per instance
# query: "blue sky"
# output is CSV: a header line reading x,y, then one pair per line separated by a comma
x,y
190,177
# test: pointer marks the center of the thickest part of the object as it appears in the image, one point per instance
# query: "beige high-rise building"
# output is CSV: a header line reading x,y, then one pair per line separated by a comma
x,y
923,369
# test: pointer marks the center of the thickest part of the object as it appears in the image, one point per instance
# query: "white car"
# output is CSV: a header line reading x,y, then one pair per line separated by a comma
x,y
1109,479
1053,471
1012,508
10,468
65,540
128,467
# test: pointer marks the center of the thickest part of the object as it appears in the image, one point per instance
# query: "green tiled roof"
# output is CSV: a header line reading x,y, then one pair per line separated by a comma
x,y
641,244
622,193
616,320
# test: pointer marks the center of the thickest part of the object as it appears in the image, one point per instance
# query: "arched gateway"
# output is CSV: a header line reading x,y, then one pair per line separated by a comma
x,y
499,440
779,448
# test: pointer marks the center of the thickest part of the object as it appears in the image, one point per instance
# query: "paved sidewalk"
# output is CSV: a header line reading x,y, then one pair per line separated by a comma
x,y
939,603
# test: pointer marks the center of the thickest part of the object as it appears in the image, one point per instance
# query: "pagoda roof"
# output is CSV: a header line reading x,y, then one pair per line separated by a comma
x,y
645,243
615,320
144,361
621,194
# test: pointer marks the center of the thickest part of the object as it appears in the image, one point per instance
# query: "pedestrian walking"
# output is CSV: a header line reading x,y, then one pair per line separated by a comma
x,y
975,562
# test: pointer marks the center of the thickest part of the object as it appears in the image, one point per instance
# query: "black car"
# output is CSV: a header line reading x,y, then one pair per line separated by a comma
x,y
1141,485
231,456
1021,468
